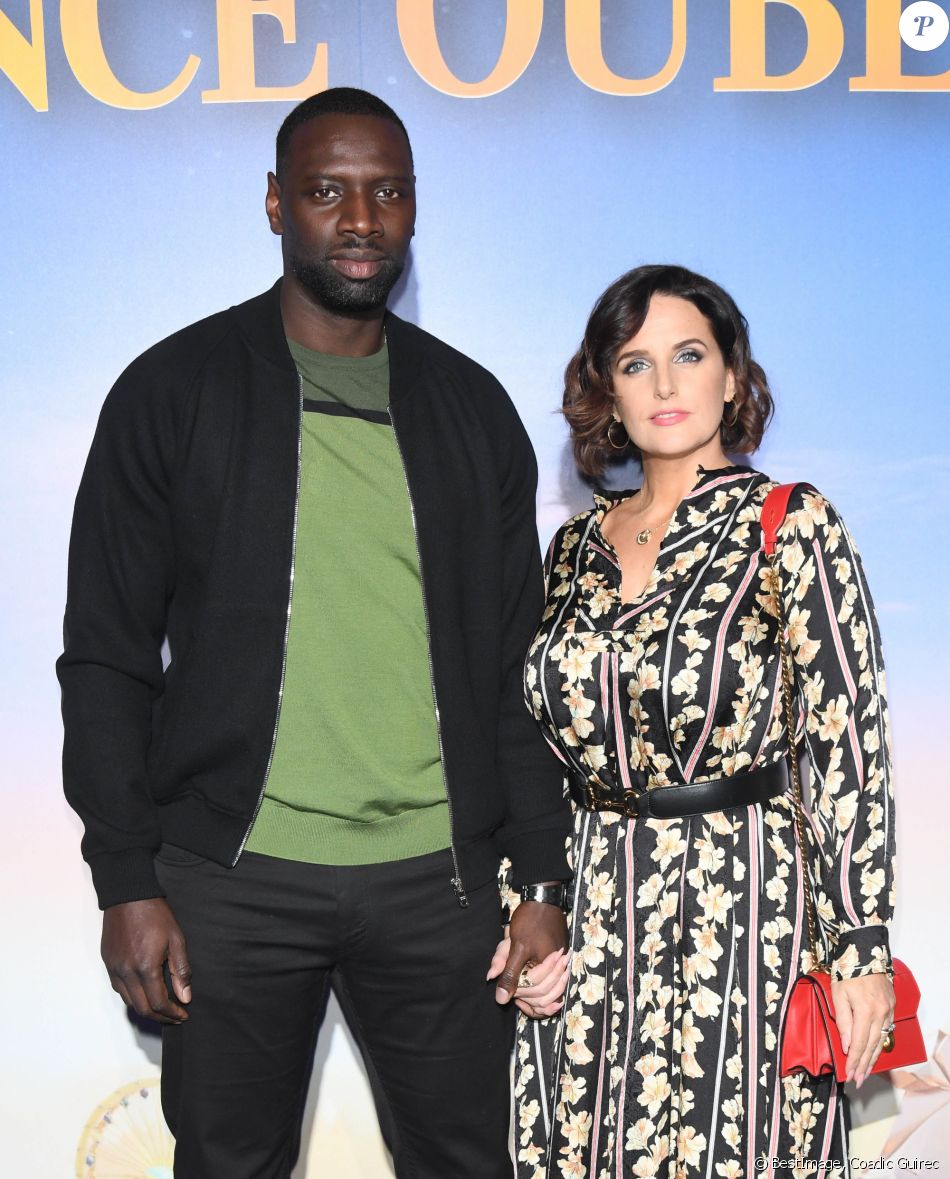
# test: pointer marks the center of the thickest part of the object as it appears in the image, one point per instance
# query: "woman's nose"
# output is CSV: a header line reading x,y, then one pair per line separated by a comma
x,y
665,388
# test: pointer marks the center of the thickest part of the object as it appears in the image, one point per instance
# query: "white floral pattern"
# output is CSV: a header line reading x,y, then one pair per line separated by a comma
x,y
687,934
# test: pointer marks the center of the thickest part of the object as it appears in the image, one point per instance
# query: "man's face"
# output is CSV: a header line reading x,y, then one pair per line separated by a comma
x,y
345,207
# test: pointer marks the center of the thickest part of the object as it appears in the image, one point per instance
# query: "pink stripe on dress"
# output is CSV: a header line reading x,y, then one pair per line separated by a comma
x,y
602,1065
631,992
751,992
717,666
722,481
639,607
829,1122
844,878
595,547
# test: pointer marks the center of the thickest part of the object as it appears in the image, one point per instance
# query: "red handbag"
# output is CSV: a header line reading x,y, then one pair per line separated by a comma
x,y
811,1040
810,1037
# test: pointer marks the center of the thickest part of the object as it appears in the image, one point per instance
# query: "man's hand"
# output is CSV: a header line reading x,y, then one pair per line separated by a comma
x,y
863,1006
138,938
537,938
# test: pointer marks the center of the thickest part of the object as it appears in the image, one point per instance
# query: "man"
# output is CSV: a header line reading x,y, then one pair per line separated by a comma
x,y
329,515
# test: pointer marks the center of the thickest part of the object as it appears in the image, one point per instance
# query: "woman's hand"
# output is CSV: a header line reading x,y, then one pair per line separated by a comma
x,y
547,981
864,1007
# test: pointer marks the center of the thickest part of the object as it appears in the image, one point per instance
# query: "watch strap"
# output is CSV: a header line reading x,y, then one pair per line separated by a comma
x,y
547,894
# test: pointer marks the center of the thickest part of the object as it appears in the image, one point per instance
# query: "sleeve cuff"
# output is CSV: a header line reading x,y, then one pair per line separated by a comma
x,y
119,877
862,951
539,855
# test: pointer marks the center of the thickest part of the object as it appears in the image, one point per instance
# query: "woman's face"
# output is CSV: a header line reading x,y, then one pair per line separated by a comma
x,y
671,383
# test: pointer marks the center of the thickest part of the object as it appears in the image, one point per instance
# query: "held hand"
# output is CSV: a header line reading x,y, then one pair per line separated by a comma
x,y
544,994
863,1007
537,932
138,938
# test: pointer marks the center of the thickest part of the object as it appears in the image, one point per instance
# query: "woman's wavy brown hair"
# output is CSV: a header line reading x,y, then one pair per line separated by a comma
x,y
617,316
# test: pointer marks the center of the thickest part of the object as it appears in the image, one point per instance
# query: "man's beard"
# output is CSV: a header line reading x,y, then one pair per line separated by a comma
x,y
336,292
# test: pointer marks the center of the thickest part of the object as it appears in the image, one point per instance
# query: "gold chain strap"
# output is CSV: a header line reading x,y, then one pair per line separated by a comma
x,y
788,681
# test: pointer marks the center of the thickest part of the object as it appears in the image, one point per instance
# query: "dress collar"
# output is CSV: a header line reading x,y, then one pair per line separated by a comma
x,y
707,481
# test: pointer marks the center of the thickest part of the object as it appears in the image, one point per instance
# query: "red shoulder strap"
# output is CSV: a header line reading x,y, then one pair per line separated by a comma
x,y
774,511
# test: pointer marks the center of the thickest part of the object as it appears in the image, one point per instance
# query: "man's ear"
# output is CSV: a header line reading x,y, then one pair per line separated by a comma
x,y
272,205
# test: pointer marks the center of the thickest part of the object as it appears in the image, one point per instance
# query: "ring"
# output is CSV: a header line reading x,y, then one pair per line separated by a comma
x,y
524,981
887,1029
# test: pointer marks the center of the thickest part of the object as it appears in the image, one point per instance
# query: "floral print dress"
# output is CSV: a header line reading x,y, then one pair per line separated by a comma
x,y
687,934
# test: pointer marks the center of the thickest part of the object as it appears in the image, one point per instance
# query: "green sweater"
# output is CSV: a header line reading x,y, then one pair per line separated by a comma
x,y
356,776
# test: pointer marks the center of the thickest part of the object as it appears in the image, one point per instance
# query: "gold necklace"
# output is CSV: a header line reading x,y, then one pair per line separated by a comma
x,y
643,536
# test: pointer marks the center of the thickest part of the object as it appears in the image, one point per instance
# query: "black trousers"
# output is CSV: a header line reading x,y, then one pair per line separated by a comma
x,y
265,940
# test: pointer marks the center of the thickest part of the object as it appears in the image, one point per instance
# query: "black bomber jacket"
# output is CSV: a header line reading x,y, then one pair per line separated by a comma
x,y
184,531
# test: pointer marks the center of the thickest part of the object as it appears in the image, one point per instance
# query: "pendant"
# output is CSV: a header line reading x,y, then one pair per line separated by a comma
x,y
644,536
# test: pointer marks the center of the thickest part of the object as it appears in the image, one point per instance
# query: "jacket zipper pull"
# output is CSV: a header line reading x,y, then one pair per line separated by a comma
x,y
460,892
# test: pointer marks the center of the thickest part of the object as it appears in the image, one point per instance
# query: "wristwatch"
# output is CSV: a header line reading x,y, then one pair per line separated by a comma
x,y
558,894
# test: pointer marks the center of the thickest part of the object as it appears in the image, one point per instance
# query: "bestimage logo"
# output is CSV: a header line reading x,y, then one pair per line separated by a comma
x,y
23,53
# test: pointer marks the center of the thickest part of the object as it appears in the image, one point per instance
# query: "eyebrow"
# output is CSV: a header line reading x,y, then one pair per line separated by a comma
x,y
341,178
636,352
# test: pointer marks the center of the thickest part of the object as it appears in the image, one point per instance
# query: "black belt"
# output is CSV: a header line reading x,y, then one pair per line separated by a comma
x,y
694,798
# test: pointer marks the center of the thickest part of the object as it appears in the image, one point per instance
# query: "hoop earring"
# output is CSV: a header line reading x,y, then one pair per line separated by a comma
x,y
626,437
735,415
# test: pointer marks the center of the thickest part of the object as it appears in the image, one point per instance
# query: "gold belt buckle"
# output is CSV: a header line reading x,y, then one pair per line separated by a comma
x,y
630,808
626,806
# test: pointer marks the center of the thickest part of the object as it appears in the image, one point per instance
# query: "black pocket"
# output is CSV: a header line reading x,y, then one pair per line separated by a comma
x,y
171,853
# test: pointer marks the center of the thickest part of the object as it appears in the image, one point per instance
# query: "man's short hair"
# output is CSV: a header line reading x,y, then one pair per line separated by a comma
x,y
339,100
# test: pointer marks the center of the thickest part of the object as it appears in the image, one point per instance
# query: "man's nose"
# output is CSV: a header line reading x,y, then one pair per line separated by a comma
x,y
359,216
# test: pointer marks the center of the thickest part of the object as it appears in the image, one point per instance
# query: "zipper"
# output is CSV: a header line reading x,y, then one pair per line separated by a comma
x,y
457,886
290,602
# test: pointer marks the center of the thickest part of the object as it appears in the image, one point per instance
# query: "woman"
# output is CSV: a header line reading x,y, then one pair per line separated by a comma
x,y
656,665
